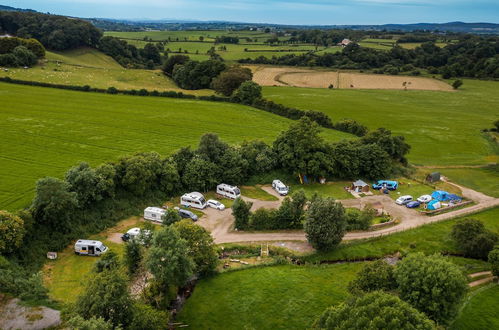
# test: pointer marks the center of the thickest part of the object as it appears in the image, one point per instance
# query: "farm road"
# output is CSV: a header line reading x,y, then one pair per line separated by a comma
x,y
220,223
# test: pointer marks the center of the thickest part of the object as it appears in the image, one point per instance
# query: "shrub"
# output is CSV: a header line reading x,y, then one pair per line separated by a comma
x,y
248,92
171,216
263,219
457,83
79,323
112,90
147,317
473,239
241,213
108,261
377,275
133,256
11,232
494,260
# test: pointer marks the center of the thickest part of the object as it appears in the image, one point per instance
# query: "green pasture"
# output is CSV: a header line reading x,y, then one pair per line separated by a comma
x,y
443,128
209,36
276,297
485,180
430,238
87,66
256,192
45,131
480,310
334,189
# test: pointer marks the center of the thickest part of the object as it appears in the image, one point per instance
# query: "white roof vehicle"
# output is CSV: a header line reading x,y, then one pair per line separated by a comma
x,y
215,204
135,233
228,191
89,247
280,187
154,213
424,198
402,200
193,199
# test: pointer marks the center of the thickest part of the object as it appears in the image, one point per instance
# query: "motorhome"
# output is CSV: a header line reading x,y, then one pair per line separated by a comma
x,y
280,187
89,247
154,213
193,199
136,234
228,191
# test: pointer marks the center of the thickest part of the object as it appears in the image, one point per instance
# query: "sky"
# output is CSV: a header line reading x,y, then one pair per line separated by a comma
x,y
311,12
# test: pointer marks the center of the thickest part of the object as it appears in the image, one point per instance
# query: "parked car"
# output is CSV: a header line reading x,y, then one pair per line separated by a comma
x,y
186,214
412,204
402,200
136,233
215,204
425,199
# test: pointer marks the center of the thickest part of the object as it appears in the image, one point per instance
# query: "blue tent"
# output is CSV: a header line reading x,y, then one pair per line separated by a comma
x,y
455,198
440,195
434,205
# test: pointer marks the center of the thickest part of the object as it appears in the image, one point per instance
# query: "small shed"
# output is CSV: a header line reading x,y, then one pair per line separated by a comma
x,y
360,186
433,177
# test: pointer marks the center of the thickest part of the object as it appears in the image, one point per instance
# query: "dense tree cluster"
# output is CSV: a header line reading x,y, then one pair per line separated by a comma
x,y
230,80
54,32
226,40
471,56
197,75
130,56
16,52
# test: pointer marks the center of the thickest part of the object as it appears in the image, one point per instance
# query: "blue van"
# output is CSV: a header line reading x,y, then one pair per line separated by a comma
x,y
390,185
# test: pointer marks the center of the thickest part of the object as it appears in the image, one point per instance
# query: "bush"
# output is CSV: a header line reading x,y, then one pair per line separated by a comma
x,y
79,323
263,219
457,83
375,276
431,284
108,261
359,220
241,213
11,232
473,239
494,260
112,90
376,310
171,216
146,317
133,256
248,92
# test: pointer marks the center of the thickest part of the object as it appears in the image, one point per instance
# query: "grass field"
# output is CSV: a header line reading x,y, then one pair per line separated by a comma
x,y
44,131
256,192
485,180
431,238
277,297
480,311
330,189
87,66
443,128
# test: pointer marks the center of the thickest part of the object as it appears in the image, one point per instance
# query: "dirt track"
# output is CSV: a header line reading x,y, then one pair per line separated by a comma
x,y
221,223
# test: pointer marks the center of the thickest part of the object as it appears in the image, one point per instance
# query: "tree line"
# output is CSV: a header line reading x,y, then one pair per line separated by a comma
x,y
54,32
472,56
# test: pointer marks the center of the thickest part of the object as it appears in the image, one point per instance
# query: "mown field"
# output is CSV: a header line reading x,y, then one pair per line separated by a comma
x,y
44,131
277,297
485,180
86,66
480,311
442,127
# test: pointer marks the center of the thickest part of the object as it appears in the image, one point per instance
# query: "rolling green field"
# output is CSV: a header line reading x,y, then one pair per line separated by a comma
x,y
44,131
277,297
443,128
86,66
480,312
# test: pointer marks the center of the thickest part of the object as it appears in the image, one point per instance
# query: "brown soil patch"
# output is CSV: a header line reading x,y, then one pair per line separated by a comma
x,y
289,76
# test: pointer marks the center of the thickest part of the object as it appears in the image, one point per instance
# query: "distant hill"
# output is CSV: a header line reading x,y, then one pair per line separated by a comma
x,y
8,8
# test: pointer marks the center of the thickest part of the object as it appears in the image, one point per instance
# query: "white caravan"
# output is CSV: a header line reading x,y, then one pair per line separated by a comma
x,y
89,247
280,187
228,191
193,199
154,213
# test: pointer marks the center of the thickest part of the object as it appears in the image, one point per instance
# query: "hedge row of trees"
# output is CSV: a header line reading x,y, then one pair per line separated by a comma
x,y
54,32
472,56
420,292
89,199
16,52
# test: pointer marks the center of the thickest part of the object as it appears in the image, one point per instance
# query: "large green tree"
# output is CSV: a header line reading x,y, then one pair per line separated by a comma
x,y
200,246
106,296
168,258
374,276
376,310
230,80
248,92
471,236
432,284
54,204
11,232
325,223
241,213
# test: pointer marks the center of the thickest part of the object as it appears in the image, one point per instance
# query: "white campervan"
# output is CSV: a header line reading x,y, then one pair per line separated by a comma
x,y
89,247
154,213
193,199
280,187
228,191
